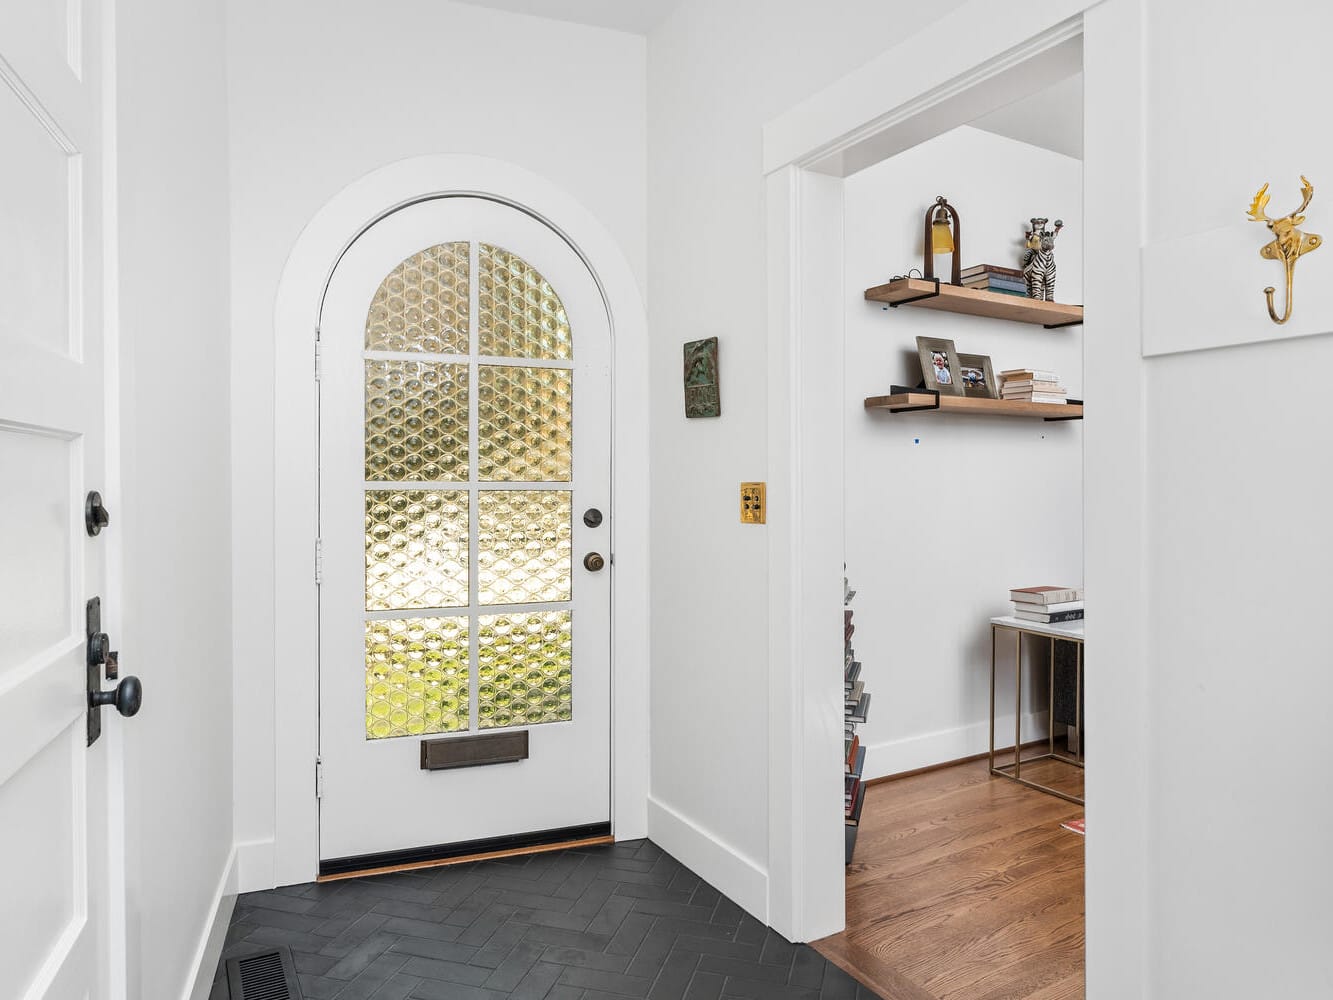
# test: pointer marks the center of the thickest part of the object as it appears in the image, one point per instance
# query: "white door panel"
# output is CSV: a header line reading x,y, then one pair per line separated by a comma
x,y
452,480
53,788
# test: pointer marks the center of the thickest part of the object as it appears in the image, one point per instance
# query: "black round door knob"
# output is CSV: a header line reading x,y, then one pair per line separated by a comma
x,y
95,516
592,517
593,561
127,696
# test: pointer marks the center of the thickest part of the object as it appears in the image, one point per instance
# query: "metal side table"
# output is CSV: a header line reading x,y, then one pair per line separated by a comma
x,y
1069,631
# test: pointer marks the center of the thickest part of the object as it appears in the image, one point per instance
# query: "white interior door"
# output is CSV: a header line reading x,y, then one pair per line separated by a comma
x,y
53,787
464,435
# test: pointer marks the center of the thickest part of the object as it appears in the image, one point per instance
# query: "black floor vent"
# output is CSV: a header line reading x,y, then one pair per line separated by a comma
x,y
267,976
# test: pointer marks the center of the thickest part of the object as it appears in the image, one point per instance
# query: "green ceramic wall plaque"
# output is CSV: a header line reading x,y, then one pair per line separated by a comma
x,y
701,389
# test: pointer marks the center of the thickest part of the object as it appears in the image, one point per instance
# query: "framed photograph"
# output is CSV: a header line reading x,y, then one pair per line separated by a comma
x,y
939,365
702,398
977,377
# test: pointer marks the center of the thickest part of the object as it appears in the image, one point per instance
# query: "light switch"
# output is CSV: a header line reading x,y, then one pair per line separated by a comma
x,y
754,503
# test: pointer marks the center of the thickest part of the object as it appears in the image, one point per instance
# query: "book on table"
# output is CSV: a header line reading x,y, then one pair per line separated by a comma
x,y
1051,619
1046,595
1048,609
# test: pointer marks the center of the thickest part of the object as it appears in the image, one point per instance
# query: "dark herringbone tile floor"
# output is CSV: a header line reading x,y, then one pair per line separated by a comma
x,y
591,924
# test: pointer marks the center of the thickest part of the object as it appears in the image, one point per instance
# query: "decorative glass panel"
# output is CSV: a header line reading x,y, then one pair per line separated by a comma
x,y
524,675
416,421
416,549
521,315
523,546
524,418
416,676
423,304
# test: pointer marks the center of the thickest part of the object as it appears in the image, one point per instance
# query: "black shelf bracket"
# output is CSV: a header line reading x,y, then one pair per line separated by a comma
x,y
917,298
1068,402
1060,326
899,390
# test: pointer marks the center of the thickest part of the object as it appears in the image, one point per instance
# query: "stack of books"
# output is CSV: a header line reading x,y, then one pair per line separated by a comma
x,y
1048,605
993,278
1032,385
856,705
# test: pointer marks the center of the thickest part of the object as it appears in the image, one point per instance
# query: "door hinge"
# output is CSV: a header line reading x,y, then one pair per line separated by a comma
x,y
317,356
319,561
319,778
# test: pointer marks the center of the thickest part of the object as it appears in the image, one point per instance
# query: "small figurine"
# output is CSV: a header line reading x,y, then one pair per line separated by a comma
x,y
1039,259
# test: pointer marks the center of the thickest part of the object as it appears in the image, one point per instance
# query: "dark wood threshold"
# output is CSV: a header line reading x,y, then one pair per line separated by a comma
x,y
466,858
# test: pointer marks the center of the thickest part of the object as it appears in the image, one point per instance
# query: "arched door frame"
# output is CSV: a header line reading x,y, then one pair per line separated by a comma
x,y
296,512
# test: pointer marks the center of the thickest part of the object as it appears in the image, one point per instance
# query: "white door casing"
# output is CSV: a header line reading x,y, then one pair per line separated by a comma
x,y
368,782
53,788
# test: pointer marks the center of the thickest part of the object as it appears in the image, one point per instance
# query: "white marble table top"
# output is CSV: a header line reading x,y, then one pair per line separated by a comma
x,y
1062,630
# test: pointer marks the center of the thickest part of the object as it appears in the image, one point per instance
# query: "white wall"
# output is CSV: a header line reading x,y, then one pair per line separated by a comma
x,y
716,74
947,513
323,93
174,513
1239,540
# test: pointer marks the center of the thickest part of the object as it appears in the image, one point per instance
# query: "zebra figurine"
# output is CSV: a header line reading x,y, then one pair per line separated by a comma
x,y
1039,259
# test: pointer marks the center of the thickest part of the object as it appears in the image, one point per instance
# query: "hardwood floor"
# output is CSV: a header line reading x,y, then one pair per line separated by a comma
x,y
965,887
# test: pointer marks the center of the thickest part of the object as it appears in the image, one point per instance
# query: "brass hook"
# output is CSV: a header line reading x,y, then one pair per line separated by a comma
x,y
1289,243
1268,294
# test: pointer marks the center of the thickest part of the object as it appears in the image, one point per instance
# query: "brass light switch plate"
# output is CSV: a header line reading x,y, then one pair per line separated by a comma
x,y
754,503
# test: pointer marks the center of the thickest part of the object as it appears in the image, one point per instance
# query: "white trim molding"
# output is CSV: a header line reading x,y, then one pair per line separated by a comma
x,y
300,294
741,879
913,91
208,951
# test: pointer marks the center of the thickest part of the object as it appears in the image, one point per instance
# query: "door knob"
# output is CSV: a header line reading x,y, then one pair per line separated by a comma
x,y
593,561
95,516
127,696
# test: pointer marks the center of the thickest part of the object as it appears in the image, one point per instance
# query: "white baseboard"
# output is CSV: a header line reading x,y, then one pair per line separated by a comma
x,y
726,869
943,745
255,865
209,949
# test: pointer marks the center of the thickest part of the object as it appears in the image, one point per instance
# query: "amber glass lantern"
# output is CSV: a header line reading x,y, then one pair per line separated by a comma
x,y
944,234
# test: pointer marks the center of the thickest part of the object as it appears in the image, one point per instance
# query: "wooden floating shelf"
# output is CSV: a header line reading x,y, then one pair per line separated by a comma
x,y
922,400
929,293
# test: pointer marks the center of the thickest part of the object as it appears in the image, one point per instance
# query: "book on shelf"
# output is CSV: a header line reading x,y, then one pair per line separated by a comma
x,y
853,694
849,792
849,749
857,713
1046,595
852,816
996,283
1015,390
1050,619
1037,397
1028,375
857,766
847,632
850,675
1035,386
976,269
1048,609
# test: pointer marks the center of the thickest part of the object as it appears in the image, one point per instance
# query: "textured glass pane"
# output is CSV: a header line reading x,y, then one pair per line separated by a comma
x,y
523,542
423,304
416,421
523,669
521,316
416,549
416,677
523,423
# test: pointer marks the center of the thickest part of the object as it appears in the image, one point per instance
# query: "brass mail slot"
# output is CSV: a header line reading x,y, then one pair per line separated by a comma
x,y
473,751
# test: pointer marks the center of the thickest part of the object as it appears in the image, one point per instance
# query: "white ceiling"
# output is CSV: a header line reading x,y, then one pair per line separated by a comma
x,y
638,16
1051,118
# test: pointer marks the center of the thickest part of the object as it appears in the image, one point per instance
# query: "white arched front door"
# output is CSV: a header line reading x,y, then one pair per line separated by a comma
x,y
465,429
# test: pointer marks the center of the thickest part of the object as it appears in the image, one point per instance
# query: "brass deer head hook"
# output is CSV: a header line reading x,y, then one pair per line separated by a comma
x,y
1289,243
